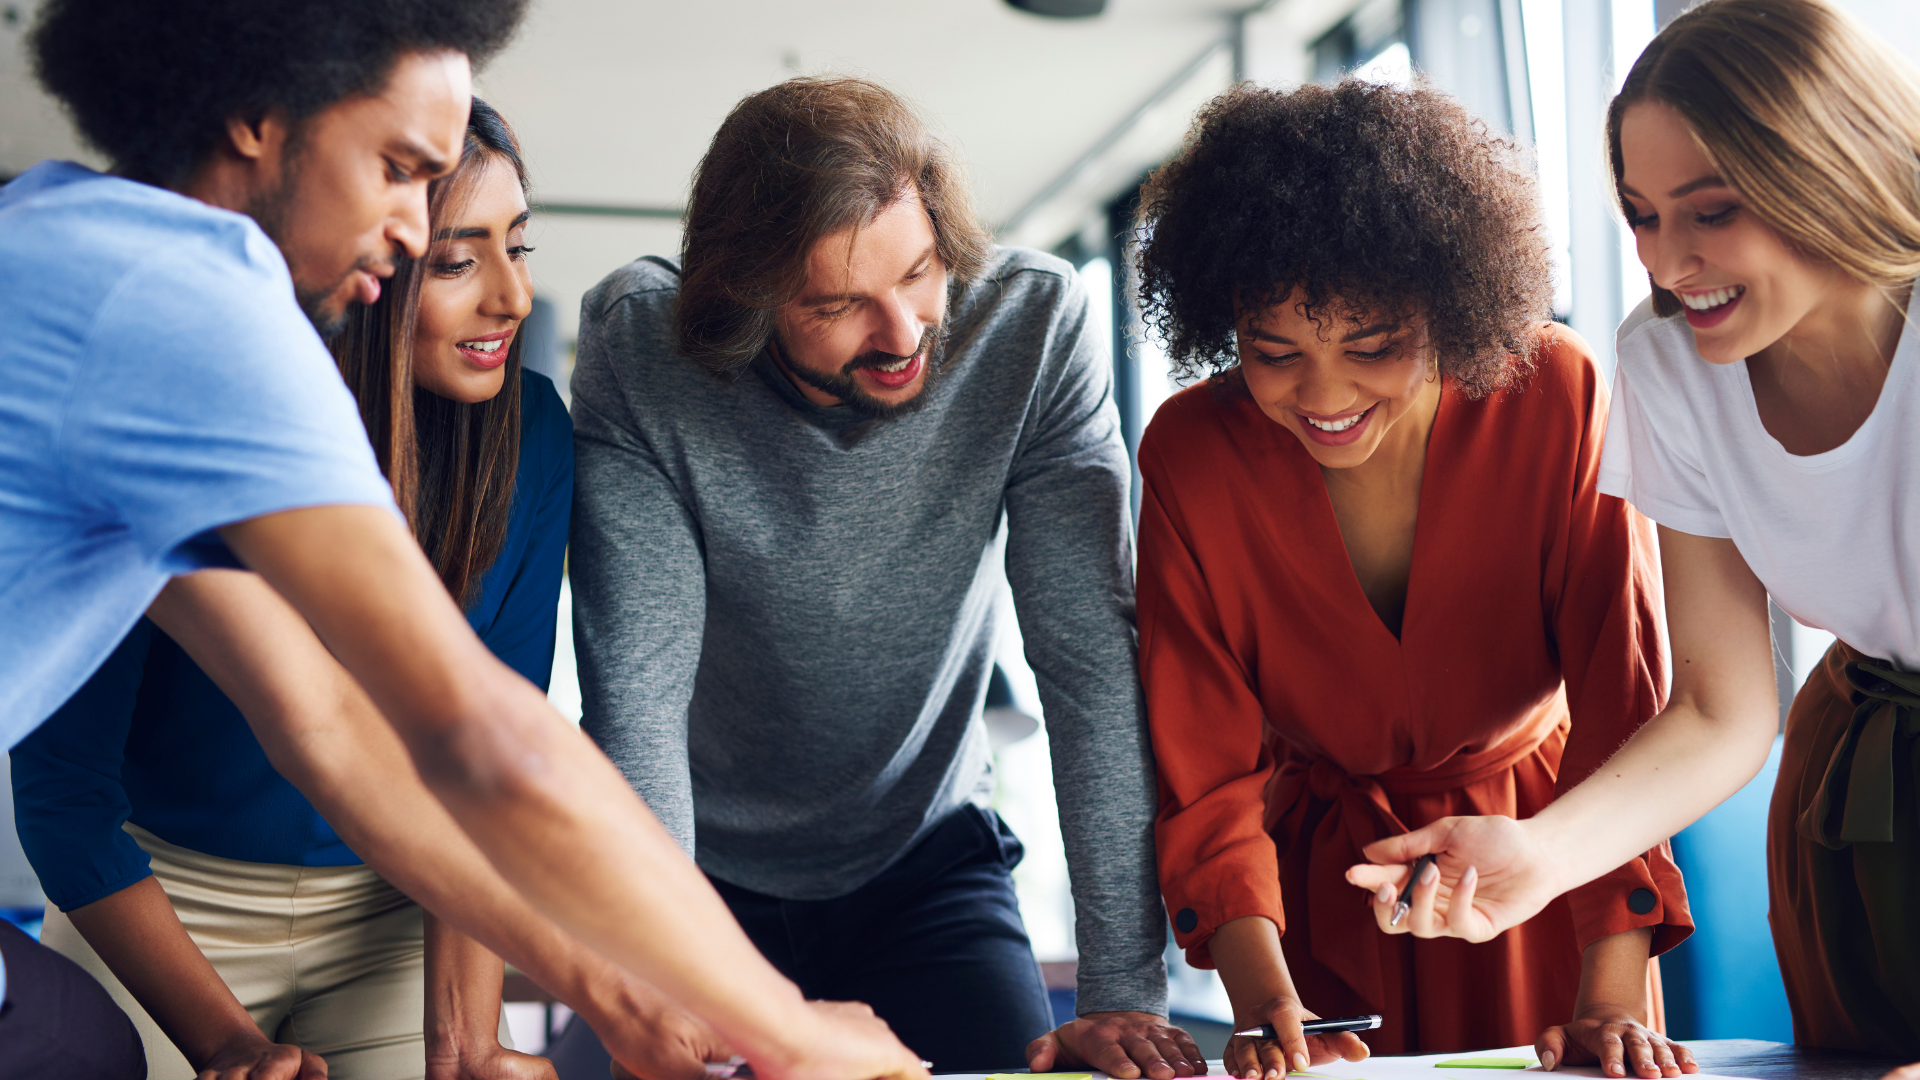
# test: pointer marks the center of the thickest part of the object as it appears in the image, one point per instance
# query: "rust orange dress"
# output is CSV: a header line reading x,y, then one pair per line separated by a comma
x,y
1291,728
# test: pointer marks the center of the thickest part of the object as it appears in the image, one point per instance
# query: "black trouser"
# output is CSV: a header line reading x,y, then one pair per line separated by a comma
x,y
935,944
57,1021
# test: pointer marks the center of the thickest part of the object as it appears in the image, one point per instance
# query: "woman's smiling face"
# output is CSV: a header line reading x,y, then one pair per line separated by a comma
x,y
1743,286
476,291
1339,384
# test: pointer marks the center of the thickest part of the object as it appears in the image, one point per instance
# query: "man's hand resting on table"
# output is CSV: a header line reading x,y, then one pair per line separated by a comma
x,y
668,1044
1126,1045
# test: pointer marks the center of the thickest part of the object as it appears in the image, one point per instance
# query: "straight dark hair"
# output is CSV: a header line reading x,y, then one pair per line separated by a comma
x,y
791,164
451,464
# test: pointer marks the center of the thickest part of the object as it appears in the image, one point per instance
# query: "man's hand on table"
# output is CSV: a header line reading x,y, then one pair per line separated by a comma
x,y
665,1044
1125,1045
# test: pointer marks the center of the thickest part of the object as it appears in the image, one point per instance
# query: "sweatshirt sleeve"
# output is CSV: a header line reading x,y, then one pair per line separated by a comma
x,y
639,577
1217,861
68,802
1604,605
1069,564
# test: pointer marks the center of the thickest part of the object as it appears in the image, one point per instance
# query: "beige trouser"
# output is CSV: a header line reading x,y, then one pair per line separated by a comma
x,y
329,958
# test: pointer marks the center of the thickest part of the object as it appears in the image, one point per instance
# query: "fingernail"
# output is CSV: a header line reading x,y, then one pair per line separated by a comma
x,y
1546,1061
1431,873
1300,1062
1385,895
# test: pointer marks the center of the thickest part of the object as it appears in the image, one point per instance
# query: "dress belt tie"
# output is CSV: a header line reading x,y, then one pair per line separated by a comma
x,y
1342,935
1860,777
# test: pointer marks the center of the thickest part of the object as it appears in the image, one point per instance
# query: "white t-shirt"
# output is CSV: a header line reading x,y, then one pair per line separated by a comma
x,y
1835,537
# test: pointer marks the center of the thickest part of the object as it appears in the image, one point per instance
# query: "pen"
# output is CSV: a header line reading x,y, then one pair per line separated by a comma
x,y
1419,867
1317,1027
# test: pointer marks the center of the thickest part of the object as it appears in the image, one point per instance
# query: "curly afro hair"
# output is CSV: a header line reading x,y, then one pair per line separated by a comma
x,y
152,85
1365,198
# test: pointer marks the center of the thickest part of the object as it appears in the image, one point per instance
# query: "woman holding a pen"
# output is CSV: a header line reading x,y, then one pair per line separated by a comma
x,y
1378,584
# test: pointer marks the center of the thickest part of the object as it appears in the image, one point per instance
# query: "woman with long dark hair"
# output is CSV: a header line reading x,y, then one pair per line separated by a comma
x,y
223,913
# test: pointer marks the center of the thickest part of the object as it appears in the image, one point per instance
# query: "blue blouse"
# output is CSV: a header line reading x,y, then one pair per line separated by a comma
x,y
150,739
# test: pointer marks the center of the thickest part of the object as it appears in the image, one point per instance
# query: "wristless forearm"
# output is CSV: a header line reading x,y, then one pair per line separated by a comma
x,y
136,933
1676,768
1613,974
1252,966
544,829
462,994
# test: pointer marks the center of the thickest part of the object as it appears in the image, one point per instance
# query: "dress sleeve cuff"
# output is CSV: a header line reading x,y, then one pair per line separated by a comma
x,y
80,895
1646,892
1200,907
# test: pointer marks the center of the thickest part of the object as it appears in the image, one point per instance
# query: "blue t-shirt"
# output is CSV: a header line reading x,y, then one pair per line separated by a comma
x,y
150,739
157,381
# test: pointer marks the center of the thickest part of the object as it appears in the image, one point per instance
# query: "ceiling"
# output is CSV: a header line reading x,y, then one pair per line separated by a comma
x,y
615,102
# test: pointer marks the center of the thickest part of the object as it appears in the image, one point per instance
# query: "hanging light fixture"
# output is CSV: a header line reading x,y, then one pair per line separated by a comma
x,y
1061,9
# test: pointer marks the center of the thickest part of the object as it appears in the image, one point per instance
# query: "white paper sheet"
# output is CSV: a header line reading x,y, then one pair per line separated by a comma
x,y
1410,1067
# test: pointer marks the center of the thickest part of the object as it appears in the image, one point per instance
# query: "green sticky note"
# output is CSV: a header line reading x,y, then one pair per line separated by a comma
x,y
1486,1063
1039,1076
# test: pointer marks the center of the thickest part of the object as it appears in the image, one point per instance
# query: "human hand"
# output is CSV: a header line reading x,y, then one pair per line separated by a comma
x,y
255,1057
1614,1037
661,1043
1293,1051
844,1041
1904,1072
1125,1045
488,1060
1493,874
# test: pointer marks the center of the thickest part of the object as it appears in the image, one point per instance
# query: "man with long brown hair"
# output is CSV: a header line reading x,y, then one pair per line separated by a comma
x,y
795,451
170,413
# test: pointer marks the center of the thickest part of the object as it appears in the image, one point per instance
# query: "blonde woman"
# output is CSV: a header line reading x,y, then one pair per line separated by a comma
x,y
1765,155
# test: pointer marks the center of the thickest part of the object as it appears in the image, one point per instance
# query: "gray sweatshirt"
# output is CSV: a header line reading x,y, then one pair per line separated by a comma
x,y
784,613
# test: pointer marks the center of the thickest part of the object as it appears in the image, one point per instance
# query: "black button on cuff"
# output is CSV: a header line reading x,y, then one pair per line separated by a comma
x,y
1186,920
1641,901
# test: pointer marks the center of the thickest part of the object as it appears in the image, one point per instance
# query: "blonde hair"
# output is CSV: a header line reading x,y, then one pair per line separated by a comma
x,y
1806,115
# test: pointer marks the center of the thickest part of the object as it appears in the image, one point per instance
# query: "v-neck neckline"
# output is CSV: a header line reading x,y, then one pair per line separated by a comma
x,y
1329,525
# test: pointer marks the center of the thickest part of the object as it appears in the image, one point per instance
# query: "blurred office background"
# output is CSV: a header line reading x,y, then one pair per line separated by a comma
x,y
1059,119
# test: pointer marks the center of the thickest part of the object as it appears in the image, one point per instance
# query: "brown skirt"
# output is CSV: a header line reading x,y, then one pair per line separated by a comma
x,y
1845,908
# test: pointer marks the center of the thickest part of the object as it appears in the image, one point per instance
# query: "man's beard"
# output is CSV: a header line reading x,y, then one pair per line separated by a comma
x,y
332,323
841,384
270,212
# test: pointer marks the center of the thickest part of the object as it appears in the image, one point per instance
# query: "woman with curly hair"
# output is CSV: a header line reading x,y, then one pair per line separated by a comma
x,y
1379,584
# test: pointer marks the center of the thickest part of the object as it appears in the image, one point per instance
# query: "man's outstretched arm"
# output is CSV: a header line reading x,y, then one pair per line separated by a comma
x,y
321,731
546,808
